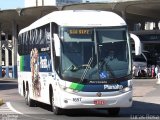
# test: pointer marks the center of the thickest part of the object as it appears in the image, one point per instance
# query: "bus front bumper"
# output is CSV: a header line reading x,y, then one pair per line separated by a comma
x,y
69,101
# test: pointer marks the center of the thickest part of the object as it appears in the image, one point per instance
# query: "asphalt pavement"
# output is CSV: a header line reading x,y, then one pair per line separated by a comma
x,y
146,90
6,80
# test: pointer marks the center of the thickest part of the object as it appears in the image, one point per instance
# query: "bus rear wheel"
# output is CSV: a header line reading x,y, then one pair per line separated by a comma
x,y
56,110
29,101
113,111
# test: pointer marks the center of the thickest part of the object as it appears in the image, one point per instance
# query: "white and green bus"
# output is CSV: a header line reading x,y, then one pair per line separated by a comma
x,y
62,61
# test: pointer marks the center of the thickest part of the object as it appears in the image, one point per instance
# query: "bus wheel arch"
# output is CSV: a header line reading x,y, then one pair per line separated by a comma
x,y
50,94
56,110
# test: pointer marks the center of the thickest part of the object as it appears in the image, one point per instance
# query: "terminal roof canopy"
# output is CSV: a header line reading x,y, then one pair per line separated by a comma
x,y
136,11
133,11
22,17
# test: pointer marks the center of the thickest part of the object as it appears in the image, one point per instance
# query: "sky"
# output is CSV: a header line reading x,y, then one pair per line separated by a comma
x,y
97,0
11,4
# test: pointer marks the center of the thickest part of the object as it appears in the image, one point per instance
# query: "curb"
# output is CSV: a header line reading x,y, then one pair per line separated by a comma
x,y
8,80
1,102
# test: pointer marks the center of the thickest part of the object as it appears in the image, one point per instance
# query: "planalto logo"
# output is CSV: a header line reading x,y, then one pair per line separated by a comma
x,y
113,87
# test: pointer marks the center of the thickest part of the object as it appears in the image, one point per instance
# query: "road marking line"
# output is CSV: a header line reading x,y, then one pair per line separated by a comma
x,y
11,108
5,110
14,110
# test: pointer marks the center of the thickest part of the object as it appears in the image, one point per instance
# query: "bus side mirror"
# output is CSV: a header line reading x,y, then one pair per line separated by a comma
x,y
57,44
137,42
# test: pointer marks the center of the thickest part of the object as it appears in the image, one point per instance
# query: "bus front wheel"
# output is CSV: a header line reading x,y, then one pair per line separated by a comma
x,y
113,111
56,110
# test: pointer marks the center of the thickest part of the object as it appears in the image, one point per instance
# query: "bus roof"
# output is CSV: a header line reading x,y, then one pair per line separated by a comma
x,y
87,18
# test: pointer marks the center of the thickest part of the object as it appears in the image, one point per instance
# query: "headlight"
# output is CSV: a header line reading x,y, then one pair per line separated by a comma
x,y
126,89
70,90
67,89
129,87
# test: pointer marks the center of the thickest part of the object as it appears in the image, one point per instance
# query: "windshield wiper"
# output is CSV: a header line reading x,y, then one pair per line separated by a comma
x,y
74,68
86,70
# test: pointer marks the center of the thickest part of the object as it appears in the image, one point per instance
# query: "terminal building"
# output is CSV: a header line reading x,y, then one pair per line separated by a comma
x,y
33,3
141,16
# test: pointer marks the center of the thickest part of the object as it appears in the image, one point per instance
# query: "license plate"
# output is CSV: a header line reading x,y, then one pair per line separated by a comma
x,y
99,102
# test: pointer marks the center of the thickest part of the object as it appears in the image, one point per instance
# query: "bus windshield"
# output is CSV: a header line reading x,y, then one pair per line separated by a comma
x,y
86,54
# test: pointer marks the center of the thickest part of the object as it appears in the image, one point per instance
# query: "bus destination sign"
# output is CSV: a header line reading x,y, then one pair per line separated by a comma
x,y
79,31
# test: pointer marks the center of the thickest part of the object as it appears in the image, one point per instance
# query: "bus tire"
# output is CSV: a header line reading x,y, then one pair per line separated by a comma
x,y
56,110
113,111
29,101
24,92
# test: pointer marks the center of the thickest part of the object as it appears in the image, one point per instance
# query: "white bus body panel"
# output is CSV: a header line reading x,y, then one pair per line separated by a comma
x,y
44,97
86,18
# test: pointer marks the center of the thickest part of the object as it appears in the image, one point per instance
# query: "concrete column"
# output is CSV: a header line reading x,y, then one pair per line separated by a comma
x,y
36,3
147,26
42,2
0,57
14,49
130,26
156,25
6,56
142,25
123,15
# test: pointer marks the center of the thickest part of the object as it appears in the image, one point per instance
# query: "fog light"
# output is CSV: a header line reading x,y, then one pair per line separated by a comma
x,y
65,101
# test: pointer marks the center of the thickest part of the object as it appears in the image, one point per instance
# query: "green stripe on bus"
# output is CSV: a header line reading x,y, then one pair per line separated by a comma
x,y
21,63
76,86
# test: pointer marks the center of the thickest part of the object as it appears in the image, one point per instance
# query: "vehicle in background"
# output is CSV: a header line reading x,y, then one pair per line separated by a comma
x,y
139,63
151,59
